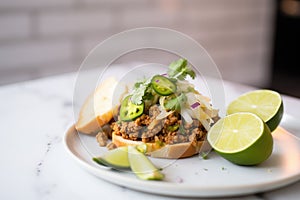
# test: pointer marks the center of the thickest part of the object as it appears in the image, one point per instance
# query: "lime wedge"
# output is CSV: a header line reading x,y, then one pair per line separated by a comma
x,y
242,138
267,104
116,158
142,166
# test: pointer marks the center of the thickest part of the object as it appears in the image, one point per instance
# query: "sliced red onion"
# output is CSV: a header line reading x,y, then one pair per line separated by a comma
x,y
165,74
195,105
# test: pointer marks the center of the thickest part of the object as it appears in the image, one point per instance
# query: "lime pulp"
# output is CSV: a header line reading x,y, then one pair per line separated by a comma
x,y
242,138
266,104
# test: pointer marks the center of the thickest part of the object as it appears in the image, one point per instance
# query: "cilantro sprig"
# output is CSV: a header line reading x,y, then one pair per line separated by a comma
x,y
140,90
175,103
180,69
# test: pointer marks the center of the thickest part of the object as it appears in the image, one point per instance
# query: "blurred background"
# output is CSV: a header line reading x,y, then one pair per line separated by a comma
x,y
254,42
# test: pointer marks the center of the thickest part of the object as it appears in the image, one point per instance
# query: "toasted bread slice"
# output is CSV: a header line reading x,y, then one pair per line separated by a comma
x,y
98,108
173,151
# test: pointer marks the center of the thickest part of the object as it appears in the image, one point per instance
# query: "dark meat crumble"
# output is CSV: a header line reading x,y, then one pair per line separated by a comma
x,y
170,130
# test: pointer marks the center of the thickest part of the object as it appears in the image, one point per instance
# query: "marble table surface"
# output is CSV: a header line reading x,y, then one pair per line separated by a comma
x,y
34,163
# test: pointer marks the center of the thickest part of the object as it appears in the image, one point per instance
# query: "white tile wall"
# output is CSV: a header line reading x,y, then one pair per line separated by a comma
x,y
15,26
148,16
29,4
45,37
73,22
34,53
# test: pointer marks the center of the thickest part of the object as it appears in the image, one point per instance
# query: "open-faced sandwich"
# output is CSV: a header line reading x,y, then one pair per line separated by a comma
x,y
164,111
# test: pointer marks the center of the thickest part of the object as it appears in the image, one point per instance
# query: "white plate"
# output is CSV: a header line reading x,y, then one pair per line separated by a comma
x,y
195,177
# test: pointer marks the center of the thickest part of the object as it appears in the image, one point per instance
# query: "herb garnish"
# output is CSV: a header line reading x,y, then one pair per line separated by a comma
x,y
175,103
180,69
177,70
139,91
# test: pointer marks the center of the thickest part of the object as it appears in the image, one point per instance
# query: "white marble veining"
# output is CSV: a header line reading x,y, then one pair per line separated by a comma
x,y
34,164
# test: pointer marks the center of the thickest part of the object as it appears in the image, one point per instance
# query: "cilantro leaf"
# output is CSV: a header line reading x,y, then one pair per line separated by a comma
x,y
139,91
175,103
138,84
180,69
176,66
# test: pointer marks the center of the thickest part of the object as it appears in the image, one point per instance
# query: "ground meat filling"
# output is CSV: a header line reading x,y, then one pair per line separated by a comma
x,y
170,130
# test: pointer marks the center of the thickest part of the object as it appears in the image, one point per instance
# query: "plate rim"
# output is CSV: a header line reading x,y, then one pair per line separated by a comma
x,y
185,190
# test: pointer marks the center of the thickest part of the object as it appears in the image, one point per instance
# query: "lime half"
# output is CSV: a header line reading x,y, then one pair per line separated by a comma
x,y
116,158
242,138
266,104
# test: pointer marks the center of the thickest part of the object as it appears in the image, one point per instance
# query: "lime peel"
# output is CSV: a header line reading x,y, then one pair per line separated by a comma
x,y
131,157
267,104
244,147
115,158
142,166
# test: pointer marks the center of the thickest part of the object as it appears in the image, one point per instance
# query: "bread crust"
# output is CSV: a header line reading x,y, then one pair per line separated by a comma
x,y
174,151
98,111
93,115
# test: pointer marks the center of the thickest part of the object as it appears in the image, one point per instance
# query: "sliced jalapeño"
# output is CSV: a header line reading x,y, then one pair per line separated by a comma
x,y
130,111
162,85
